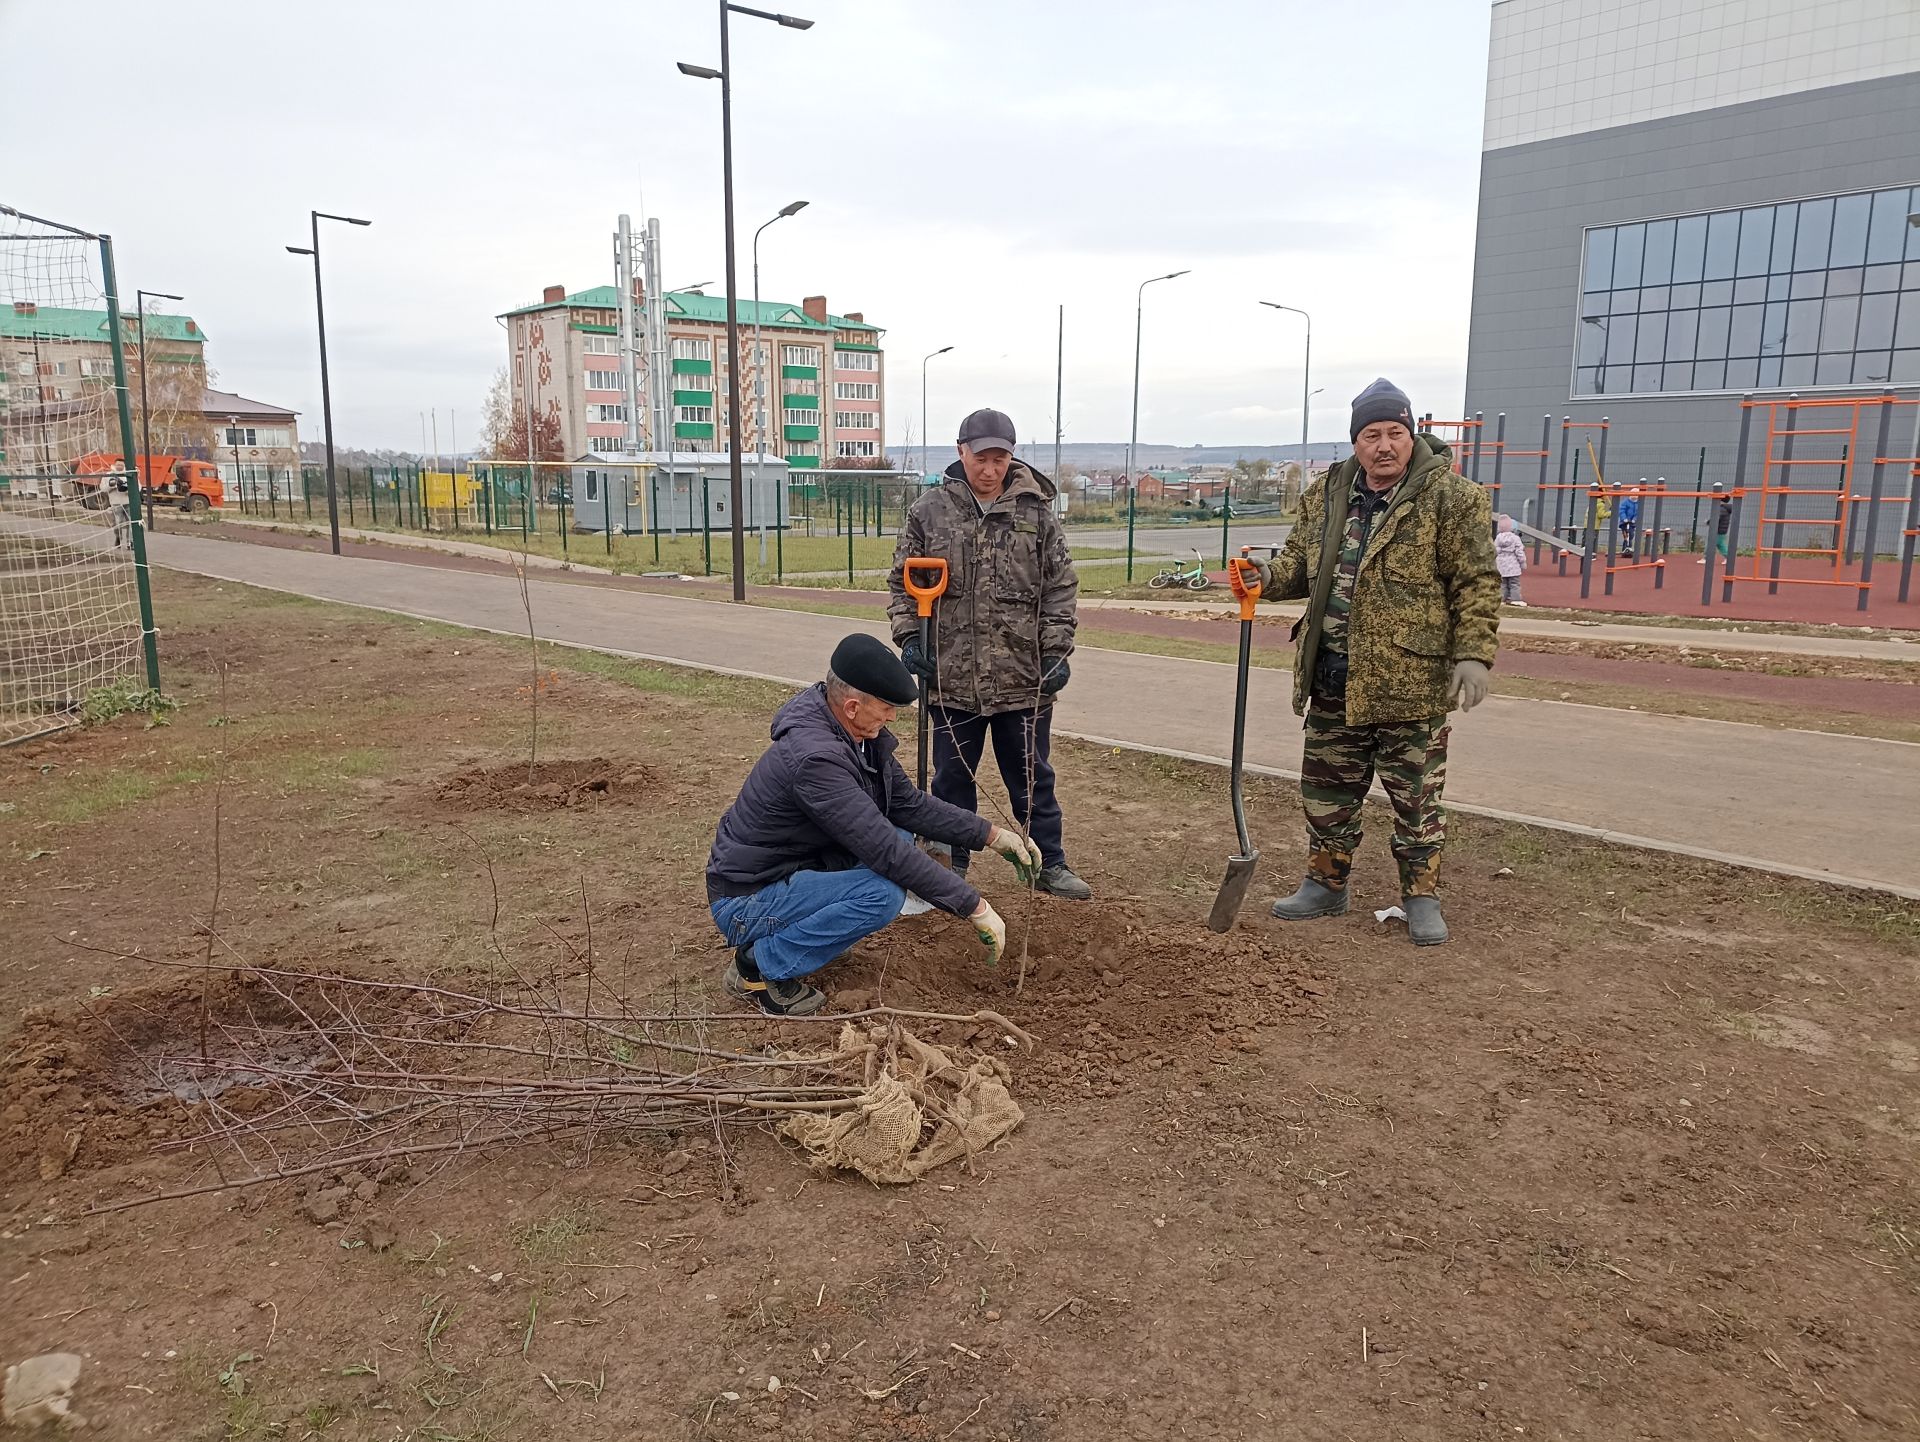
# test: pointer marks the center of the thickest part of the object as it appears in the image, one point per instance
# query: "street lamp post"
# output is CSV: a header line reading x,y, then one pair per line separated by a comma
x,y
326,392
1306,379
759,379
926,433
143,467
725,76
233,439
1133,436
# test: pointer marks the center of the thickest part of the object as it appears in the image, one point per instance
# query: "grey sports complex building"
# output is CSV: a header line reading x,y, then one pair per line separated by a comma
x,y
1682,203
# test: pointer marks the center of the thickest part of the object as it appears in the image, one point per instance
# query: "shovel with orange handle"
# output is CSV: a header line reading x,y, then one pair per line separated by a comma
x,y
923,598
1244,576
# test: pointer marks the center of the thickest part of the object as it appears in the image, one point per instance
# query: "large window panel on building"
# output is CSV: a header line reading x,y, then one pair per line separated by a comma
x,y
1801,294
1850,216
1656,265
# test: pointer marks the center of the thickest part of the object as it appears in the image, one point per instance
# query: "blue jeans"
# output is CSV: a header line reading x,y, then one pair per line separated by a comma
x,y
797,926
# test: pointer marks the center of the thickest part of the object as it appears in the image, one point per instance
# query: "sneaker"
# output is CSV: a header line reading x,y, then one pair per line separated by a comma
x,y
776,998
1060,881
1521,604
914,906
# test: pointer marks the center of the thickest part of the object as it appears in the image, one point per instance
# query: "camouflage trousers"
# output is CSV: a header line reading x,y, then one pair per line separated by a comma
x,y
1339,764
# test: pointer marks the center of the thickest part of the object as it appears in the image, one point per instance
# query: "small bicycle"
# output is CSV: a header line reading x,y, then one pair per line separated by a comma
x,y
1193,577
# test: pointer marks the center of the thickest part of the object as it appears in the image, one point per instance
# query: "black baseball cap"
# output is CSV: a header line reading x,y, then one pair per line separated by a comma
x,y
987,430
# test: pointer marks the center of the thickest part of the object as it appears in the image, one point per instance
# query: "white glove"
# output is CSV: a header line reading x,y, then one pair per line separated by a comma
x,y
1469,684
1022,851
991,930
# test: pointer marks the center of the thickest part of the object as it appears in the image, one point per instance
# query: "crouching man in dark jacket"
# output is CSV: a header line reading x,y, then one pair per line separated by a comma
x,y
817,850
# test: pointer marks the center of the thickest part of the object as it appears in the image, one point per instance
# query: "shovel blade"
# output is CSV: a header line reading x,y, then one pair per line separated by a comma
x,y
1233,891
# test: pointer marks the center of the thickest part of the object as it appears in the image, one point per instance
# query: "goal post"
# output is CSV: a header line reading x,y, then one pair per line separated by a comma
x,y
76,605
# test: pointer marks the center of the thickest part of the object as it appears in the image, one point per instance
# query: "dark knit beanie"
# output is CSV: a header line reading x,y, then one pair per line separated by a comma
x,y
1381,401
868,664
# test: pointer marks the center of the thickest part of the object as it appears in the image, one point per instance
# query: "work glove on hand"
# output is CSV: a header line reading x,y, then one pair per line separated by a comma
x,y
1053,675
1262,572
1022,851
1469,686
915,659
991,930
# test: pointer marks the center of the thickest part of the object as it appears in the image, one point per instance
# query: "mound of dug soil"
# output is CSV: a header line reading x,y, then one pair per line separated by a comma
x,y
549,786
1110,988
119,1076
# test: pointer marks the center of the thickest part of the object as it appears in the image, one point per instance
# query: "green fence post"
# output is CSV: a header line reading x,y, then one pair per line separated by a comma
x,y
706,524
653,512
849,542
486,495
1226,519
136,511
779,536
306,494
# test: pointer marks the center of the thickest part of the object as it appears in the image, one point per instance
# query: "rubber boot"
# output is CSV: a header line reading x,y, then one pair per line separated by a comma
x,y
1311,900
1425,925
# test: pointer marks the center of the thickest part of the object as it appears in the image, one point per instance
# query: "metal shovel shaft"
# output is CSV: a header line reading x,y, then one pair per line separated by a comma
x,y
1240,869
926,736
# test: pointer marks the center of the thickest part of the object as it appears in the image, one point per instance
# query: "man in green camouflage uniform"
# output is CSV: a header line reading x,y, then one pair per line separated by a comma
x,y
1394,553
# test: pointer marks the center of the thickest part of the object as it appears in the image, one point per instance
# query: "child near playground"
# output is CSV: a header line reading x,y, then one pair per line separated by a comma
x,y
1722,521
1629,520
1509,559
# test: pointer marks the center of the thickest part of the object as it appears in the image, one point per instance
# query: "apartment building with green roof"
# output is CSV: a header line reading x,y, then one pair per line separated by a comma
x,y
825,375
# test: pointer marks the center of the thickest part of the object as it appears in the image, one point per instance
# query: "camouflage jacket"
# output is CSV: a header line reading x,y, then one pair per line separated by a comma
x,y
1427,593
1012,596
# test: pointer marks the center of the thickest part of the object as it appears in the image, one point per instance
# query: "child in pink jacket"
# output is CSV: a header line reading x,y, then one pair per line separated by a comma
x,y
1509,559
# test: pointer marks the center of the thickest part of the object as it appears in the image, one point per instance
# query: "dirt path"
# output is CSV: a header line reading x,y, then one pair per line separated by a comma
x,y
1631,1158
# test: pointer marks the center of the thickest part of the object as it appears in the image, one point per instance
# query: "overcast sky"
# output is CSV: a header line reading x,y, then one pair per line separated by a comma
x,y
971,164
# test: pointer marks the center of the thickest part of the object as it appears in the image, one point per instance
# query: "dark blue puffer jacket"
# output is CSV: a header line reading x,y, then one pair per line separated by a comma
x,y
818,800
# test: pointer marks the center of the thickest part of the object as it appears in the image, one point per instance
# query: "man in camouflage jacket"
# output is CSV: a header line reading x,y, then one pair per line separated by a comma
x,y
1394,553
1001,634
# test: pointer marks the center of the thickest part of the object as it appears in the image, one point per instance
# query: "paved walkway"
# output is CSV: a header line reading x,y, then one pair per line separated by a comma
x,y
1837,807
1847,644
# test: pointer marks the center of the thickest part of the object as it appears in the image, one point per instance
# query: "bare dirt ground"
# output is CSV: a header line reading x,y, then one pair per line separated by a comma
x,y
1632,1158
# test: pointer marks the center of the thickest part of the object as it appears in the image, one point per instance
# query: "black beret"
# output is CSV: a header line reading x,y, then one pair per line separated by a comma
x,y
868,664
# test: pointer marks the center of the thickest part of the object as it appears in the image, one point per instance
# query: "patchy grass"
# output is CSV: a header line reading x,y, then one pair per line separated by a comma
x,y
556,1239
802,559
87,795
658,680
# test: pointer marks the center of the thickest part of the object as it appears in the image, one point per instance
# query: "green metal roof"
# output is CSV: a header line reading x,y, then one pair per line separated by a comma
x,y
599,297
52,322
840,322
693,305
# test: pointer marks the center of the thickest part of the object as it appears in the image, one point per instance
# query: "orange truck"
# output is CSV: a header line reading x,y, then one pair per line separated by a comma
x,y
171,480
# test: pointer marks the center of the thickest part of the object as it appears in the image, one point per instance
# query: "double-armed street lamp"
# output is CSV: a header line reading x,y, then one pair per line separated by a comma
x,y
326,392
725,76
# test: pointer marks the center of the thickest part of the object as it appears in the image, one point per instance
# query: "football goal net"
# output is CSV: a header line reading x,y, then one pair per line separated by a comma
x,y
76,616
